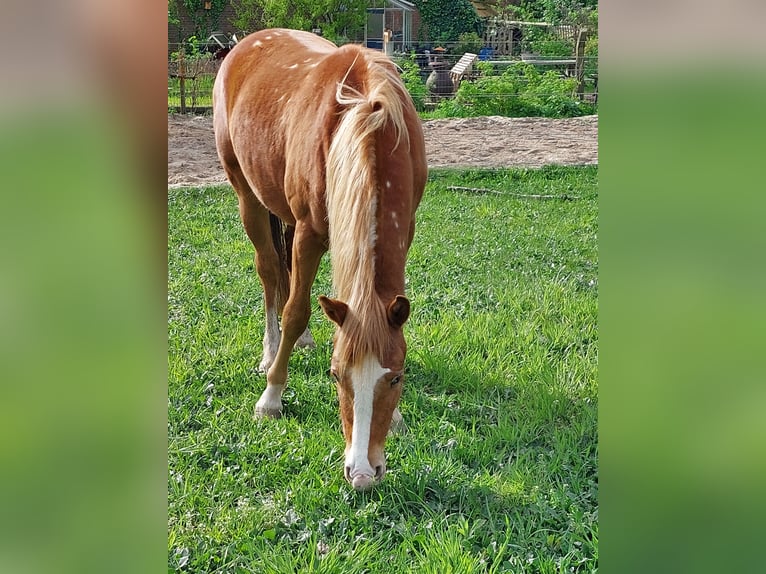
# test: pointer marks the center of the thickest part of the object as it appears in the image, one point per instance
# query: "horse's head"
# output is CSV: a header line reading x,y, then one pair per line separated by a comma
x,y
369,385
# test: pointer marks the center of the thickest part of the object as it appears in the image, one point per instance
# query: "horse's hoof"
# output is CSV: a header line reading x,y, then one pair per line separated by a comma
x,y
397,428
306,341
397,424
266,413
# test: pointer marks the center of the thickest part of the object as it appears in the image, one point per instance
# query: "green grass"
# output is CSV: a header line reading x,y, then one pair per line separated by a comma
x,y
199,91
498,469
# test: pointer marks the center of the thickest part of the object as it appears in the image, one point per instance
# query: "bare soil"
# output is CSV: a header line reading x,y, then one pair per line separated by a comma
x,y
469,142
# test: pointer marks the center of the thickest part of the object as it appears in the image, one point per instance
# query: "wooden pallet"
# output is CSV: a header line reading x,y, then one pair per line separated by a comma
x,y
462,68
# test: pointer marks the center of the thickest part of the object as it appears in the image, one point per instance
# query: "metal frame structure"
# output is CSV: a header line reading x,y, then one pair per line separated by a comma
x,y
371,37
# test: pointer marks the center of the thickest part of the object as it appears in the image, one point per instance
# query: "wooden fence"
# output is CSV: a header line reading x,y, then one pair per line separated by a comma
x,y
190,81
506,37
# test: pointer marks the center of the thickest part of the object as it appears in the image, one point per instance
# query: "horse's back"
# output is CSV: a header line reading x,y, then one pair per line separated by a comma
x,y
276,112
265,71
266,96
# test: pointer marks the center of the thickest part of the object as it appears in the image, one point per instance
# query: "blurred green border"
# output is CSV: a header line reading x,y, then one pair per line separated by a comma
x,y
682,317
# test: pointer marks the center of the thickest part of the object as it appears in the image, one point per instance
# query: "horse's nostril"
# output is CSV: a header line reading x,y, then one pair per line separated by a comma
x,y
347,473
378,471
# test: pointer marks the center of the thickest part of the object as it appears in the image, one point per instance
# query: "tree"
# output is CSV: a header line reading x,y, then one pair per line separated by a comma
x,y
338,19
173,12
574,12
446,20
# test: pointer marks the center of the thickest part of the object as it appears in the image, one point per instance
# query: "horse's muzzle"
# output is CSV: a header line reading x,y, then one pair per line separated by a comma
x,y
364,481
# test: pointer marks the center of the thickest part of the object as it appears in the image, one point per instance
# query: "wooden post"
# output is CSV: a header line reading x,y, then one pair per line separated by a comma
x,y
582,37
182,78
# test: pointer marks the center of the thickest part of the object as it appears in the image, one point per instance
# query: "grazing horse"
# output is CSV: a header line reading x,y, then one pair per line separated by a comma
x,y
325,151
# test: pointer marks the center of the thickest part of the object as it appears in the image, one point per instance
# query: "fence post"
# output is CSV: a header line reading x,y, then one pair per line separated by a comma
x,y
582,36
182,78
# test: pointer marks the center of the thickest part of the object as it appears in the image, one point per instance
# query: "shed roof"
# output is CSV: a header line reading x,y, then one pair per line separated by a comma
x,y
403,4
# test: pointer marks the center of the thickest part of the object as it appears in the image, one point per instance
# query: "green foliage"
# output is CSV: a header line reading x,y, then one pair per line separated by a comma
x,y
205,21
338,19
173,12
520,91
413,82
196,66
468,42
591,46
191,51
446,20
549,47
591,55
557,11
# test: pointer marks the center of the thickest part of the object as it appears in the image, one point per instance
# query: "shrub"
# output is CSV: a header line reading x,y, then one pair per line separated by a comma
x,y
413,82
469,42
520,91
444,20
591,46
552,48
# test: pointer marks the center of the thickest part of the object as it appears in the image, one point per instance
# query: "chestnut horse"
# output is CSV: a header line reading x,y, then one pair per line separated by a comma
x,y
325,151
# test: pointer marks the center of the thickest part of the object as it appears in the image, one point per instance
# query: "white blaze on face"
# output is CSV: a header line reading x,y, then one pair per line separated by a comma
x,y
364,375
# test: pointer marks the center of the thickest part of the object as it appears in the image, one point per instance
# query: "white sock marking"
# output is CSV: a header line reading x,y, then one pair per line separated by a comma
x,y
271,338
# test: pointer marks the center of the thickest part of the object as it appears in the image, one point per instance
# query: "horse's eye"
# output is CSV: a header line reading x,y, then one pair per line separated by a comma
x,y
334,375
395,381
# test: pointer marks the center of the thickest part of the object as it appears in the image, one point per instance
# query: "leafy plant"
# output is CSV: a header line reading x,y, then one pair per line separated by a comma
x,y
205,21
338,19
196,67
446,20
413,82
519,91
557,11
469,42
591,46
550,47
173,17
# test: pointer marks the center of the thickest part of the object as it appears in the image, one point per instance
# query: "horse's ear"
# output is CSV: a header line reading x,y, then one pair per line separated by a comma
x,y
398,311
334,309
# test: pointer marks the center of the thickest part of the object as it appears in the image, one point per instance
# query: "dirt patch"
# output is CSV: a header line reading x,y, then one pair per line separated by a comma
x,y
468,142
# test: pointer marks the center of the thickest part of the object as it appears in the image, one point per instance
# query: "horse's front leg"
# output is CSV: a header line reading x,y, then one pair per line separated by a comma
x,y
306,254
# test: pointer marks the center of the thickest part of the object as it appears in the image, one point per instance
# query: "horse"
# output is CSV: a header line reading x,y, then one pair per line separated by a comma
x,y
325,151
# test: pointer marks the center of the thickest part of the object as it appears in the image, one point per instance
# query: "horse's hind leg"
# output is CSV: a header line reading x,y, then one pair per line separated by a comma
x,y
307,253
271,270
305,341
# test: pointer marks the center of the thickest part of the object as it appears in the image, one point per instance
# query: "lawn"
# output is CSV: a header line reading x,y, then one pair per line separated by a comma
x,y
497,471
199,91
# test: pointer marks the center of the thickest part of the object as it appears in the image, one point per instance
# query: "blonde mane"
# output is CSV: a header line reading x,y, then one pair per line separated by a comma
x,y
352,199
